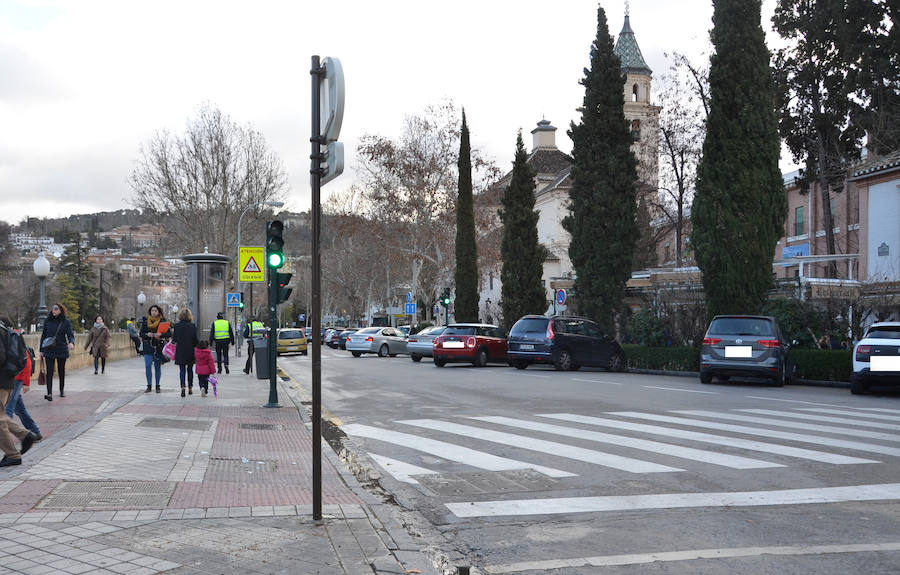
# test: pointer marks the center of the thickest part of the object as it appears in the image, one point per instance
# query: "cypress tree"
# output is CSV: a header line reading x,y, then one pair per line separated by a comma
x,y
523,257
740,205
603,197
465,307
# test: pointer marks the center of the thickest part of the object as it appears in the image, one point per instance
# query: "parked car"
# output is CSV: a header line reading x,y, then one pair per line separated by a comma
x,y
381,340
478,343
291,340
420,345
745,345
404,329
344,335
566,342
876,358
333,339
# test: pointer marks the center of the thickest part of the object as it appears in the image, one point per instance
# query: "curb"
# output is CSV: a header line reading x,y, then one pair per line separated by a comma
x,y
809,382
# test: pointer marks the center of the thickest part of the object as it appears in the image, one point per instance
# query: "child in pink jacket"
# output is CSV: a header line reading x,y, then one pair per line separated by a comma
x,y
206,364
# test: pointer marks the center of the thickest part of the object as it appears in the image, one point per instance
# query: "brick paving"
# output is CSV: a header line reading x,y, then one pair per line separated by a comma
x,y
131,483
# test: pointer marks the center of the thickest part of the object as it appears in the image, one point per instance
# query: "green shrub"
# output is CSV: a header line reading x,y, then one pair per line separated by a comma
x,y
823,364
648,329
663,358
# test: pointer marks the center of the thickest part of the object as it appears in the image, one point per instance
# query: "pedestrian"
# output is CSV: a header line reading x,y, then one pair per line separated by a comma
x,y
98,342
16,404
221,333
185,337
134,335
252,329
57,339
206,366
154,334
11,455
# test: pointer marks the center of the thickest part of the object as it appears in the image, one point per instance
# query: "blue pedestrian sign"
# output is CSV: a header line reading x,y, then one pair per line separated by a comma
x,y
411,309
233,299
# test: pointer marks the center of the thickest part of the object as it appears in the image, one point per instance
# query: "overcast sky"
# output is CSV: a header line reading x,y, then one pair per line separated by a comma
x,y
83,83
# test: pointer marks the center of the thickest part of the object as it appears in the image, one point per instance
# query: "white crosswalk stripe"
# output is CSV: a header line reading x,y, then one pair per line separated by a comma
x,y
787,423
878,416
841,420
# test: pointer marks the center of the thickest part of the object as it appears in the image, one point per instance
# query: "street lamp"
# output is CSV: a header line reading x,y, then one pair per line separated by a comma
x,y
237,260
141,298
41,270
175,310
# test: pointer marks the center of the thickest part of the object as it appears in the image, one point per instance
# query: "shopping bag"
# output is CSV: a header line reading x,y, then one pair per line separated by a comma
x,y
213,380
169,350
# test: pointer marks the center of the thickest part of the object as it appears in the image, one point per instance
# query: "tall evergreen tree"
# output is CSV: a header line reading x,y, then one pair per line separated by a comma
x,y
740,205
78,282
603,198
523,257
465,307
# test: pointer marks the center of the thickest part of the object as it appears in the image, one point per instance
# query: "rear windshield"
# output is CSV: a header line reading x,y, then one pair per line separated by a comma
x,y
742,326
530,325
436,330
369,330
459,331
884,332
291,334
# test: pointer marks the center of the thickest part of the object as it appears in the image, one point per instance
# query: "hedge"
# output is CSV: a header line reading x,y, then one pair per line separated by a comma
x,y
662,358
823,364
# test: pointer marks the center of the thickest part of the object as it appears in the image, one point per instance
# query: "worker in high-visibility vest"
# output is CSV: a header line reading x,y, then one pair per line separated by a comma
x,y
253,329
221,333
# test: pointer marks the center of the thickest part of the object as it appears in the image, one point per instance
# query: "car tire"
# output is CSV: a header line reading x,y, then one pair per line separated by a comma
x,y
356,353
705,377
415,357
481,358
440,362
564,361
383,350
616,362
519,364
303,353
779,380
857,387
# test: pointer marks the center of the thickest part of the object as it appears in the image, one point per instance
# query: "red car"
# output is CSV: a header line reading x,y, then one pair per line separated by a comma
x,y
477,343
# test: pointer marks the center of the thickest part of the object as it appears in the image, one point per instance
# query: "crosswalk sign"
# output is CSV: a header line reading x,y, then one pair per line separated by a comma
x,y
251,258
233,299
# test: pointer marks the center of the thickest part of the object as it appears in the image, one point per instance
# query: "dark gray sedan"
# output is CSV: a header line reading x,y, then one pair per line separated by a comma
x,y
381,340
420,344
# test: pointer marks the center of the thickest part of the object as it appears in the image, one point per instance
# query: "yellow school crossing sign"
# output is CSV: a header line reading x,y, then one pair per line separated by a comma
x,y
252,264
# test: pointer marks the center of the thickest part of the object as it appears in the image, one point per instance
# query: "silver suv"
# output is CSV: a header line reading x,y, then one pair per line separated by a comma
x,y
745,345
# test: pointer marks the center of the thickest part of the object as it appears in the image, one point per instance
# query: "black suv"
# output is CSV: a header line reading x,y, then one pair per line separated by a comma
x,y
566,342
745,345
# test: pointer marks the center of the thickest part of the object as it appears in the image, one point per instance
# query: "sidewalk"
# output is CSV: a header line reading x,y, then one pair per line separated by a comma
x,y
131,483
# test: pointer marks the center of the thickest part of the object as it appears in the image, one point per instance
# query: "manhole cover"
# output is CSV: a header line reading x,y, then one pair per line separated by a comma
x,y
239,466
487,482
261,426
94,494
172,423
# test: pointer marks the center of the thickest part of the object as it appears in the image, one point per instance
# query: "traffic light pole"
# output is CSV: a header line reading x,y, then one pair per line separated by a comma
x,y
272,348
317,72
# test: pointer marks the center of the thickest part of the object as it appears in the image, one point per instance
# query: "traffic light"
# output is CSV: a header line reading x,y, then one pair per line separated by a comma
x,y
275,244
445,300
241,306
283,292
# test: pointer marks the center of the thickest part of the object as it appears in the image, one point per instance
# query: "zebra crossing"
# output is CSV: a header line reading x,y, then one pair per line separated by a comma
x,y
755,440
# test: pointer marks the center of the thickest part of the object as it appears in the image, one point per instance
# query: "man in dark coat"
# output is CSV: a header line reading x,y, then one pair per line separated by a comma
x,y
221,333
11,455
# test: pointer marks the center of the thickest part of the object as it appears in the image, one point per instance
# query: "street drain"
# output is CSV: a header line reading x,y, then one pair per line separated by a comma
x,y
101,494
172,423
261,426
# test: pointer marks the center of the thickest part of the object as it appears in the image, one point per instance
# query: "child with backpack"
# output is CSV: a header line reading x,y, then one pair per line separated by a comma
x,y
206,365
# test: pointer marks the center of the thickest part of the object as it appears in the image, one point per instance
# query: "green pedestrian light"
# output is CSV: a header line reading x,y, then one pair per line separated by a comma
x,y
275,244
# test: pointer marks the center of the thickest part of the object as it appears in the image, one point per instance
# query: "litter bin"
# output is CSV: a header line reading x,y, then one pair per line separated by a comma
x,y
261,352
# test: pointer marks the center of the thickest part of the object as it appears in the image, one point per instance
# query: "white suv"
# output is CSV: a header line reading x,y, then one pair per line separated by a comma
x,y
876,358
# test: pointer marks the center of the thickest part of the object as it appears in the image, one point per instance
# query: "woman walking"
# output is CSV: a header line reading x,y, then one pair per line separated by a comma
x,y
185,338
56,341
98,341
154,333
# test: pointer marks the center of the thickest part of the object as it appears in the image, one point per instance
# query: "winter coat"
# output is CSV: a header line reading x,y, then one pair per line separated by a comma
x,y
153,346
184,334
206,364
63,338
98,341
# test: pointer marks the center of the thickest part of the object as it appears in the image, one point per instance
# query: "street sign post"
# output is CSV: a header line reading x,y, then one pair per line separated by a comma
x,y
252,263
233,299
411,309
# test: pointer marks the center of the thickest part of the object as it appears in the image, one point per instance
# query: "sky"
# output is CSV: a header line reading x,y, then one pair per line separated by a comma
x,y
84,83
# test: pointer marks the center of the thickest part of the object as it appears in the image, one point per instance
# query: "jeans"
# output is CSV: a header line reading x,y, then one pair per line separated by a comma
x,y
17,406
187,369
149,360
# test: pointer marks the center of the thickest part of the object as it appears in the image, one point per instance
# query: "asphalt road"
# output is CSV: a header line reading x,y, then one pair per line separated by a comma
x,y
587,472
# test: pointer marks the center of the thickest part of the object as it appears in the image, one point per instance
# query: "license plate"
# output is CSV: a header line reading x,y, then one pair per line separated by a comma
x,y
738,351
885,363
526,347
454,344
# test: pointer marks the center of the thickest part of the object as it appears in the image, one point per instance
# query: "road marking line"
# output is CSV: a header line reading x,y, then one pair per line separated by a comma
x,y
827,441
684,390
567,505
542,446
846,412
535,375
733,461
792,424
400,470
791,400
596,381
881,409
843,420
687,555
449,451
749,444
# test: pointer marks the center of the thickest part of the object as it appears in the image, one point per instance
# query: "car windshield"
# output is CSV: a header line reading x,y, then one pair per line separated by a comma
x,y
884,332
435,330
742,326
460,330
530,325
291,334
369,330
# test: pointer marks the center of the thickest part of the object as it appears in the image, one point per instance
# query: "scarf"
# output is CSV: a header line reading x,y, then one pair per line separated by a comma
x,y
153,323
98,325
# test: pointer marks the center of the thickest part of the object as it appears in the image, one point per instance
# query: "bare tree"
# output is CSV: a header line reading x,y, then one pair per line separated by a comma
x,y
205,178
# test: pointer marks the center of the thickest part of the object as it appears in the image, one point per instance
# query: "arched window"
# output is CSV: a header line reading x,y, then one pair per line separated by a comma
x,y
635,125
634,93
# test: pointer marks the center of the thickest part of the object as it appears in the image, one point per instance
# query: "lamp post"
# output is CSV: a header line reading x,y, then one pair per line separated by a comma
x,y
237,260
175,311
141,298
41,270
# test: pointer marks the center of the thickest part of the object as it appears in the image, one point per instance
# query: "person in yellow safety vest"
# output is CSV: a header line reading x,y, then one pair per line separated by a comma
x,y
253,329
221,333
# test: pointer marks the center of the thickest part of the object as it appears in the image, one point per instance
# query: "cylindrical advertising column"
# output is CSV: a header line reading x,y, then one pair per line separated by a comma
x,y
206,288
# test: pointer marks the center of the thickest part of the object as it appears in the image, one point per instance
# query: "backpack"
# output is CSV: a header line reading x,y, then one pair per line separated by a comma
x,y
16,354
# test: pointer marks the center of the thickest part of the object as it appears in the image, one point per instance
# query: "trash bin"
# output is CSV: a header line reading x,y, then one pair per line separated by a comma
x,y
261,352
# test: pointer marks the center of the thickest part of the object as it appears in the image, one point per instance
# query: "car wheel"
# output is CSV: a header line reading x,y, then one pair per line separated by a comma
x,y
356,353
303,353
481,358
616,362
383,350
440,362
564,362
705,377
520,364
779,379
857,387
415,357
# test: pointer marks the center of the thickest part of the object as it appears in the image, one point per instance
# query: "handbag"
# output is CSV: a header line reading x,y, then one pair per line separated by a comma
x,y
169,350
42,376
49,342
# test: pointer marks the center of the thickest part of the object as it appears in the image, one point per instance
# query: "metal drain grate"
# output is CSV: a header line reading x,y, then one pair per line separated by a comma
x,y
94,494
487,482
172,423
261,426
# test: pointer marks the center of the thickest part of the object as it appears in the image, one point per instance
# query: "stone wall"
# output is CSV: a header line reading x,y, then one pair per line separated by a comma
x,y
120,347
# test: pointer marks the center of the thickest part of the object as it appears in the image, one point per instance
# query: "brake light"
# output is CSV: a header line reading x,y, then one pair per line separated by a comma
x,y
769,343
550,333
863,352
370,339
436,342
413,340
470,342
711,340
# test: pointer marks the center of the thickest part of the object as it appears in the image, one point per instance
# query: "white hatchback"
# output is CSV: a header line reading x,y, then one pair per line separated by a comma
x,y
876,358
